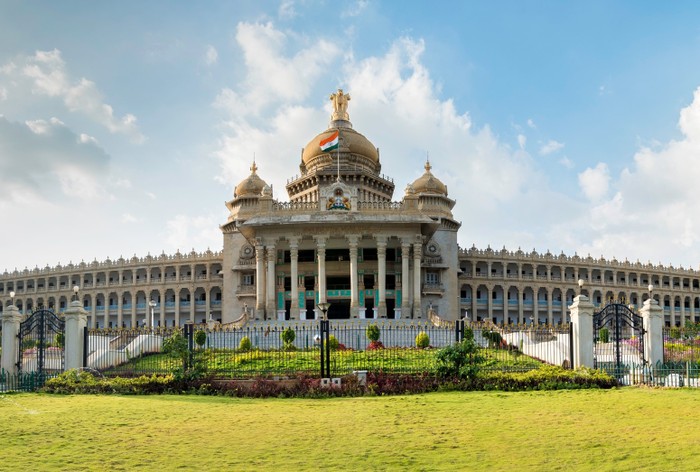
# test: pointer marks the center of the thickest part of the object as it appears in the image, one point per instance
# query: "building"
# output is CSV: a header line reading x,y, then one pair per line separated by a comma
x,y
342,239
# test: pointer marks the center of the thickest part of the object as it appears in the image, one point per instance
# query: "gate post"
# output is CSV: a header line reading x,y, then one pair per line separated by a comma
x,y
653,337
11,318
582,321
76,321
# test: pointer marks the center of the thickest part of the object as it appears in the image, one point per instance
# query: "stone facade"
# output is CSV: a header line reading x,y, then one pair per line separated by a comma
x,y
342,239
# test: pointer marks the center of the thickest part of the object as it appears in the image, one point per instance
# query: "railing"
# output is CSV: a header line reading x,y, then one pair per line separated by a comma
x,y
259,350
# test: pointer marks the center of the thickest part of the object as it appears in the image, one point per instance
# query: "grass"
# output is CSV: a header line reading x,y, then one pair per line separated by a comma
x,y
235,363
621,429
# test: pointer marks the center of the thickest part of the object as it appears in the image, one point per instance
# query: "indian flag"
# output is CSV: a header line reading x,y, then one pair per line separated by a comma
x,y
330,143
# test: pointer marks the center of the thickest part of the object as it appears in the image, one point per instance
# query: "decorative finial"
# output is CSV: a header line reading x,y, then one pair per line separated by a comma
x,y
427,162
253,168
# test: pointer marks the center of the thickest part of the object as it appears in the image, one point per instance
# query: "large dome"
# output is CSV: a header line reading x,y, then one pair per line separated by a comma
x,y
428,183
251,185
349,141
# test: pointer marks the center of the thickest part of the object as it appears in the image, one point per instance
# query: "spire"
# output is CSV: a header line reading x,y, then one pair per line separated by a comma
x,y
253,168
427,162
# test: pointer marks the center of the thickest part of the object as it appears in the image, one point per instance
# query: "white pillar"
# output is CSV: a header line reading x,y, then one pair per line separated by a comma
x,y
354,291
417,253
76,320
582,320
405,279
381,262
11,319
271,304
653,318
294,276
321,254
259,281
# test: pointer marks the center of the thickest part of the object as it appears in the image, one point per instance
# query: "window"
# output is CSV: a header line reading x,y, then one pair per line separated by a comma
x,y
432,278
248,279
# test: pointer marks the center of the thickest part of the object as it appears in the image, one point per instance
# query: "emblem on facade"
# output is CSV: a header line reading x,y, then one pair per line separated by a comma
x,y
338,201
340,105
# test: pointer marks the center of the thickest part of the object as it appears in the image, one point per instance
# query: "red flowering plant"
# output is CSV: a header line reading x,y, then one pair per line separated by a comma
x,y
373,336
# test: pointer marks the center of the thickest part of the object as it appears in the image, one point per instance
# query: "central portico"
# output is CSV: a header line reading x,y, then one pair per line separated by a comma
x,y
340,238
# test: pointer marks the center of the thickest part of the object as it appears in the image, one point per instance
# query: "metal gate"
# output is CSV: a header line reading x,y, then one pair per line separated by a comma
x,y
618,337
41,344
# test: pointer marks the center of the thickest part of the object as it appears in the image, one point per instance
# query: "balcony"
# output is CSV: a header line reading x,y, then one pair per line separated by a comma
x,y
433,289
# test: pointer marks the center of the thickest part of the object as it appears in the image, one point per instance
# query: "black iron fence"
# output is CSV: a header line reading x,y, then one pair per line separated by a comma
x,y
328,349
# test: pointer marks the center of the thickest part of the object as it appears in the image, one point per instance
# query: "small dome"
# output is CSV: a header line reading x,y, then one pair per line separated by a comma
x,y
251,185
428,183
350,140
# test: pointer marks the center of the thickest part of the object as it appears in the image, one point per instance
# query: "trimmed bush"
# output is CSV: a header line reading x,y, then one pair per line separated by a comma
x,y
603,335
422,340
372,332
288,337
200,337
245,344
333,343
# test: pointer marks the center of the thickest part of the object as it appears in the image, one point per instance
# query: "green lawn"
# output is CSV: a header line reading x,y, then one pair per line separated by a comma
x,y
235,363
621,429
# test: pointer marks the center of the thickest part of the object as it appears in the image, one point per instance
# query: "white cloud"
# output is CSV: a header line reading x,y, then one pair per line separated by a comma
x,y
86,138
129,218
531,123
550,147
36,154
49,76
185,231
566,162
594,182
272,77
286,10
522,140
211,56
3,93
355,9
653,212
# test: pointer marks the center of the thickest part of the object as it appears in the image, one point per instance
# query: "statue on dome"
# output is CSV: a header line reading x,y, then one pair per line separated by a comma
x,y
340,105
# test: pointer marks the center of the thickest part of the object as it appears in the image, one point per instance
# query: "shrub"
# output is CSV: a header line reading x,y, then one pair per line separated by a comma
x,y
422,340
603,335
373,333
493,337
374,345
200,337
288,337
60,340
459,361
333,343
674,333
245,344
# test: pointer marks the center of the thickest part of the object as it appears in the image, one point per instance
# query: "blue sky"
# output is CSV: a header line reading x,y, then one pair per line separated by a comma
x,y
561,126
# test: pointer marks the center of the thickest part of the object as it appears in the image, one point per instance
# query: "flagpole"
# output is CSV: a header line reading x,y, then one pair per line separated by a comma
x,y
338,150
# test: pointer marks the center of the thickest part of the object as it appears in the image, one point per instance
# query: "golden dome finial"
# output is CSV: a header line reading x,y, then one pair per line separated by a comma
x,y
253,168
427,162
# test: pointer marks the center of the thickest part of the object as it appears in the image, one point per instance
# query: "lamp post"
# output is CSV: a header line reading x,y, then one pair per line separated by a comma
x,y
324,308
580,286
75,293
651,290
12,297
152,304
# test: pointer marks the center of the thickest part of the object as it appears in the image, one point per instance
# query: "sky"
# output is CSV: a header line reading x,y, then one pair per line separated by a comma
x,y
567,127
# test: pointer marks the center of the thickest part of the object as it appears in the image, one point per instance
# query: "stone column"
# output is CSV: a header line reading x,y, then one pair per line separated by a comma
x,y
550,313
177,308
417,253
76,320
120,304
354,289
653,318
134,298
11,319
271,303
405,279
381,263
321,254
582,320
259,281
161,314
293,279
521,308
